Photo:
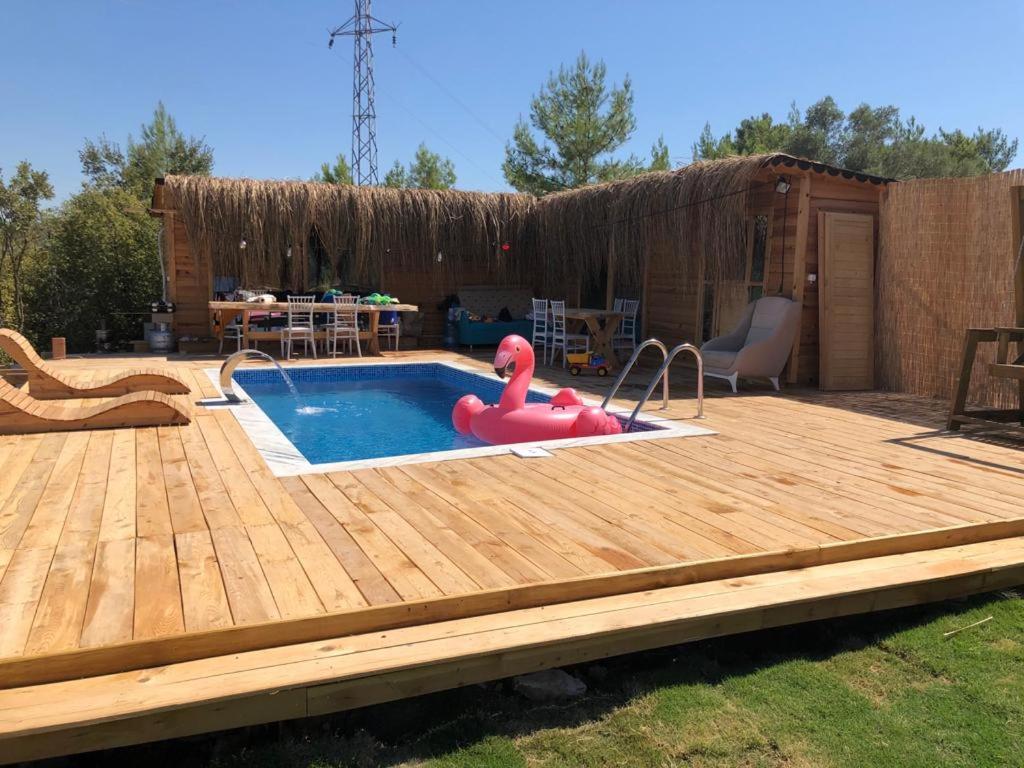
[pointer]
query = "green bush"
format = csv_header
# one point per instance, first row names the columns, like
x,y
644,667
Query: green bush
x,y
100,265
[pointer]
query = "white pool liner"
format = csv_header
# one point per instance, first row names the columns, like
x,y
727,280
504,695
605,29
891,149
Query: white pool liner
x,y
285,460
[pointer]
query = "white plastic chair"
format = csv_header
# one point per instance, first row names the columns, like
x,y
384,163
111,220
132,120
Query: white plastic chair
x,y
625,334
233,331
300,325
564,342
343,325
541,328
390,330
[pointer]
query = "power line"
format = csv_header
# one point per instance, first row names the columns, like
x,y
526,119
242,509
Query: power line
x,y
444,89
440,137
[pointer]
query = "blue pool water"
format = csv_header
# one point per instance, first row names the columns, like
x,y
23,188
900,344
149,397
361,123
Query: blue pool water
x,y
357,412
370,411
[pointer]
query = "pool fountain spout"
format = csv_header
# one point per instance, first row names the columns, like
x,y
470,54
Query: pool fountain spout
x,y
235,359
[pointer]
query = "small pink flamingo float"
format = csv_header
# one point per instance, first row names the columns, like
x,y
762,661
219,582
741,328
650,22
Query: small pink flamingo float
x,y
513,421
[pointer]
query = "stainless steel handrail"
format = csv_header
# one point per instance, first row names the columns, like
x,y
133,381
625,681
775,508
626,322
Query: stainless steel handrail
x,y
233,361
663,371
629,366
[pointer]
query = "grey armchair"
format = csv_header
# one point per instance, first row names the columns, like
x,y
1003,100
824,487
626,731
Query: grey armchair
x,y
759,346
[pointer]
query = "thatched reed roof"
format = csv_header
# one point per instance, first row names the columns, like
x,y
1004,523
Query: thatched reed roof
x,y
695,214
692,212
376,226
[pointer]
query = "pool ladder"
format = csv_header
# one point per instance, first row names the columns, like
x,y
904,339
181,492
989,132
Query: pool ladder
x,y
667,357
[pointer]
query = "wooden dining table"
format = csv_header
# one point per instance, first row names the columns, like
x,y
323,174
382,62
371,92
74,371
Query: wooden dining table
x,y
218,310
602,325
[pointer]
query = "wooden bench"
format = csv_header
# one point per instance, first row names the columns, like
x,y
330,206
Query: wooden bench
x,y
1003,367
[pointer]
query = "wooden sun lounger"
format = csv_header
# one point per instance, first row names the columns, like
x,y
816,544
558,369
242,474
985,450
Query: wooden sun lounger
x,y
45,382
21,413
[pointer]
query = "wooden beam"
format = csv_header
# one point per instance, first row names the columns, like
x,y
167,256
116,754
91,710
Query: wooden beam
x,y
170,267
309,680
609,298
803,213
139,654
1017,230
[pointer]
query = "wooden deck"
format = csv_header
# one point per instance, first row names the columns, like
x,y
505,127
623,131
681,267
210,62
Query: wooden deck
x,y
125,550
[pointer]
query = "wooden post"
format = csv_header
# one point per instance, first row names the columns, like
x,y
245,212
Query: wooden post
x,y
803,212
609,298
170,266
963,384
58,348
1017,230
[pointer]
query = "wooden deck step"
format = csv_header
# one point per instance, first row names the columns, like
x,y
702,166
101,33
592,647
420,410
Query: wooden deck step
x,y
322,677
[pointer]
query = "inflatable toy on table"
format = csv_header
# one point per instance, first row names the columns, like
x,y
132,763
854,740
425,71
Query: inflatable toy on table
x,y
512,420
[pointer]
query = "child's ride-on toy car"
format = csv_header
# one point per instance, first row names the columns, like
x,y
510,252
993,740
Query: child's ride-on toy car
x,y
590,361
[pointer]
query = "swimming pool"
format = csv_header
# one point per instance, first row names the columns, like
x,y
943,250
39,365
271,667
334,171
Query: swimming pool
x,y
351,416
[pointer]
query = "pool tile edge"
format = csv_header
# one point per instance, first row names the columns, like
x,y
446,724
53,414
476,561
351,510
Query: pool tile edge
x,y
285,460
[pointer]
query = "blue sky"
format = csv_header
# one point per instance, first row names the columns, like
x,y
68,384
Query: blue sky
x,y
257,80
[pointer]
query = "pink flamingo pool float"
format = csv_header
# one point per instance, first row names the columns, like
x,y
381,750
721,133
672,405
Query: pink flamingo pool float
x,y
513,421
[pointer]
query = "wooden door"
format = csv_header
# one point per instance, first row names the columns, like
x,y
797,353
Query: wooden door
x,y
846,300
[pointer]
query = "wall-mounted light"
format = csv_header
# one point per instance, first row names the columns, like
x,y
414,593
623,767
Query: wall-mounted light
x,y
242,245
782,185
440,257
288,253
812,277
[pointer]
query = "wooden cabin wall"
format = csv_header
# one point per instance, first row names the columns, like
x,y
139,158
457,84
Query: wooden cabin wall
x,y
190,287
672,305
427,292
190,281
828,194
946,259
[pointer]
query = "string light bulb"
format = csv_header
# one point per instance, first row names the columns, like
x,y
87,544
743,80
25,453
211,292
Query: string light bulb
x,y
242,245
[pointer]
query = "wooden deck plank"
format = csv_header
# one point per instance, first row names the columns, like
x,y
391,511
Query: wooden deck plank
x,y
204,601
17,510
432,562
120,501
47,520
519,569
358,567
884,463
235,479
399,570
158,610
291,588
166,533
15,463
530,512
556,555
60,615
110,611
245,582
635,498
84,714
152,511
211,493
183,502
473,564
20,590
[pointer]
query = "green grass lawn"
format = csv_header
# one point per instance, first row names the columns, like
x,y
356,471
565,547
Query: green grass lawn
x,y
877,690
